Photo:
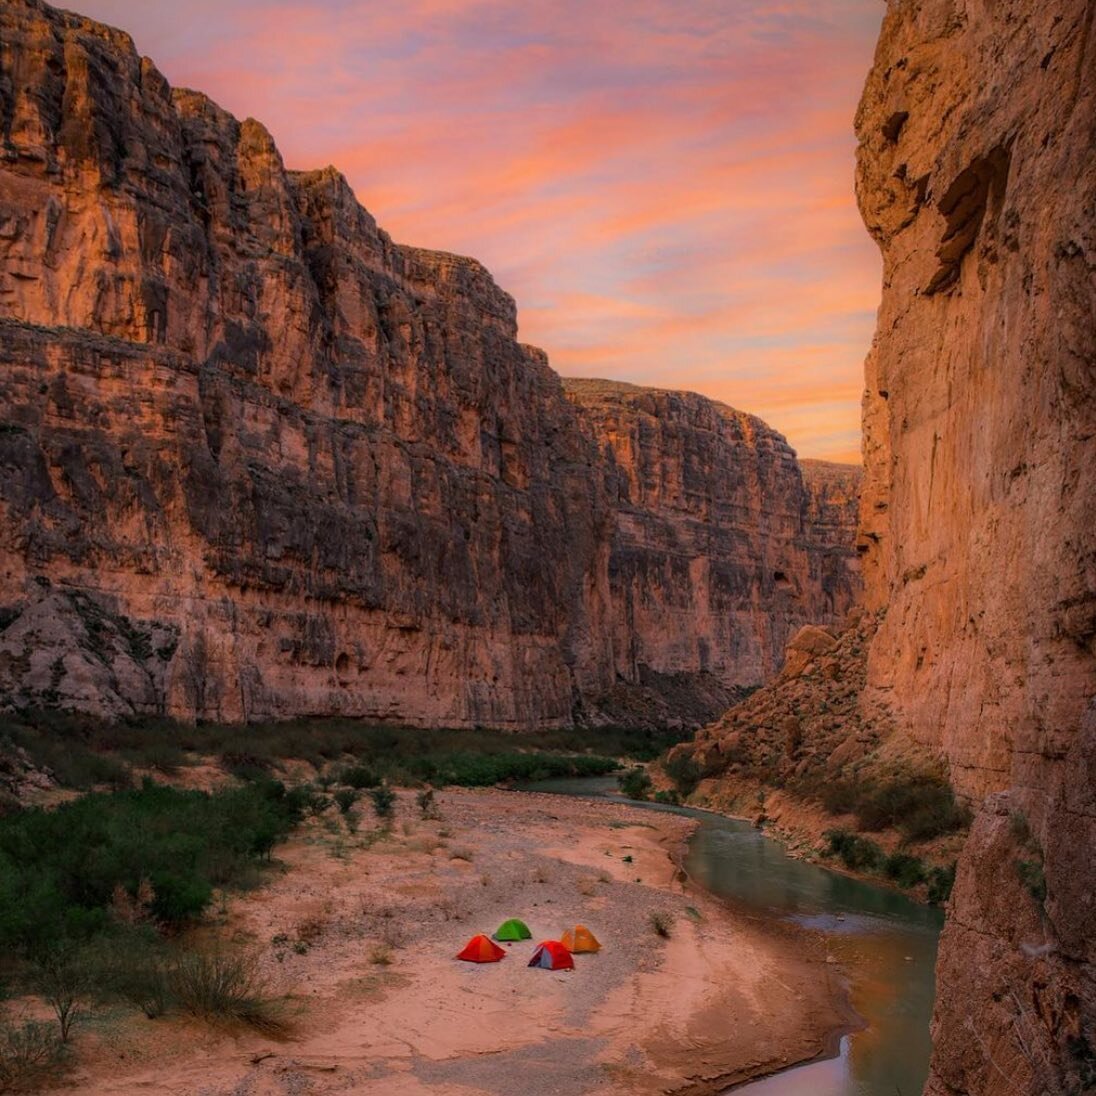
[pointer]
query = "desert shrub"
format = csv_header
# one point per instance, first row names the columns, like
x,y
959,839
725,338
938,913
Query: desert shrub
x,y
904,869
427,804
921,806
226,987
30,1054
60,869
635,783
384,802
661,922
940,881
668,796
381,955
685,772
840,796
345,798
359,776
63,978
855,852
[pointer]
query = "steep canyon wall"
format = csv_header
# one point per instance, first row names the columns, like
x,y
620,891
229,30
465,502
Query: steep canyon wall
x,y
257,460
977,176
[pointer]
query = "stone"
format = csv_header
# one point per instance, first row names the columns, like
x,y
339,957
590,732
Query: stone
x,y
236,413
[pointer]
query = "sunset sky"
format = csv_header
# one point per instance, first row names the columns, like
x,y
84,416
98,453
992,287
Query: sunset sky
x,y
665,187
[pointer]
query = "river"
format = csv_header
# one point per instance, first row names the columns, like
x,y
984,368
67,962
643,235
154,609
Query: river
x,y
883,941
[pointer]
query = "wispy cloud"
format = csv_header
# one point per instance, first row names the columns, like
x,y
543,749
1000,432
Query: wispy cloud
x,y
665,187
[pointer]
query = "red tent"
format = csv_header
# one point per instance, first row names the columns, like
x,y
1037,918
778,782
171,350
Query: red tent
x,y
481,950
552,955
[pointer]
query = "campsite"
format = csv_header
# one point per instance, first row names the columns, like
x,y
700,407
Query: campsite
x,y
362,933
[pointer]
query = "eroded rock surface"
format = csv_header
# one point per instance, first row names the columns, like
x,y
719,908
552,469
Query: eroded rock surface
x,y
977,176
724,545
257,460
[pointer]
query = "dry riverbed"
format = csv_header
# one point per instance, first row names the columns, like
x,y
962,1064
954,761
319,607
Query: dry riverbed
x,y
361,934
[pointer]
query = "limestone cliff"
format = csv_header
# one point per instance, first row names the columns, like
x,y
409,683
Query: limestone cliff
x,y
257,460
723,547
977,176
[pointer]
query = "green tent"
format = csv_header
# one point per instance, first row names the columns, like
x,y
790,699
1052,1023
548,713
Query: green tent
x,y
513,930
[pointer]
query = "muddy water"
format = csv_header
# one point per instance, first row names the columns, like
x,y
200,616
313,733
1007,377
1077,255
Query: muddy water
x,y
883,941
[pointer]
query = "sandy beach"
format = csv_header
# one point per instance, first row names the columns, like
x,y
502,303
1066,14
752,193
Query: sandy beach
x,y
361,933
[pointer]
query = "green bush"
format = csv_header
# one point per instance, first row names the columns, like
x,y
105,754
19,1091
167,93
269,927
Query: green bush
x,y
59,868
1034,878
940,881
685,772
855,852
904,869
669,797
384,802
921,806
345,798
359,776
635,783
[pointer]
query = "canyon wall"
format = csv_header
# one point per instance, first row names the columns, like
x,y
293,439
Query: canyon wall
x,y
723,545
977,177
257,460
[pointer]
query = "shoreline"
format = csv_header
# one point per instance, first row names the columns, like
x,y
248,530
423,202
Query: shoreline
x,y
383,1007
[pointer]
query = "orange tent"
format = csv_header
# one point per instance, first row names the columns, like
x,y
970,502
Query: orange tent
x,y
481,950
552,955
579,940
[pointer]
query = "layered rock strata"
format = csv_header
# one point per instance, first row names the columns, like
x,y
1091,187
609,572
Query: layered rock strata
x,y
257,460
977,176
723,544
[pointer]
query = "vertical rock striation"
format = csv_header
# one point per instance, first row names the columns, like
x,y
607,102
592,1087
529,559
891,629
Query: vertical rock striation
x,y
977,176
722,547
257,460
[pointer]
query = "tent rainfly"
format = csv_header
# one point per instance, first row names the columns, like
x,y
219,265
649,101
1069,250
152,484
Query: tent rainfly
x,y
481,950
579,939
552,955
513,929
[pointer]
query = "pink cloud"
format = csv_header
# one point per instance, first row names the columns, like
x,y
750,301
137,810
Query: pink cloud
x,y
666,189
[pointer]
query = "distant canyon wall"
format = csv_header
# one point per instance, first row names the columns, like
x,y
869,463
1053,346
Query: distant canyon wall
x,y
977,176
724,545
259,461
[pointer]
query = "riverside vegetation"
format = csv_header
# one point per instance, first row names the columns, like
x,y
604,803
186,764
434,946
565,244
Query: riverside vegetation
x,y
99,894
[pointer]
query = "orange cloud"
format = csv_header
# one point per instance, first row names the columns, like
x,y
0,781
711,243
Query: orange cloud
x,y
666,189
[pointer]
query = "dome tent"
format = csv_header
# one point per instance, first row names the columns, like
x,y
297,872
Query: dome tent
x,y
513,929
579,940
481,950
552,955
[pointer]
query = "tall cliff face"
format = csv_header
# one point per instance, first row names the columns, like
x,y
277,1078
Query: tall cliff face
x,y
977,176
257,460
723,547
313,469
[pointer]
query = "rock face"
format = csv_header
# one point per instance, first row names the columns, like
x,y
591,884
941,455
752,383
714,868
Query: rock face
x,y
723,546
977,176
257,460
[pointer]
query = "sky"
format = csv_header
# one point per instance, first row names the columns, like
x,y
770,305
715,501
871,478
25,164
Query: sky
x,y
665,186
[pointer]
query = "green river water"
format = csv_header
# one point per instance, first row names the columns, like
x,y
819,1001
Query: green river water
x,y
885,943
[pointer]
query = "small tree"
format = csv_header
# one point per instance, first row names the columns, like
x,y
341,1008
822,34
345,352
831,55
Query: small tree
x,y
427,804
384,803
64,980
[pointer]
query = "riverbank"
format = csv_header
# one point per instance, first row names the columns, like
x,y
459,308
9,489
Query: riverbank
x,y
361,933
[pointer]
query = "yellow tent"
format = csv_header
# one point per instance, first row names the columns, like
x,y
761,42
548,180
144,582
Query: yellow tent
x,y
579,939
